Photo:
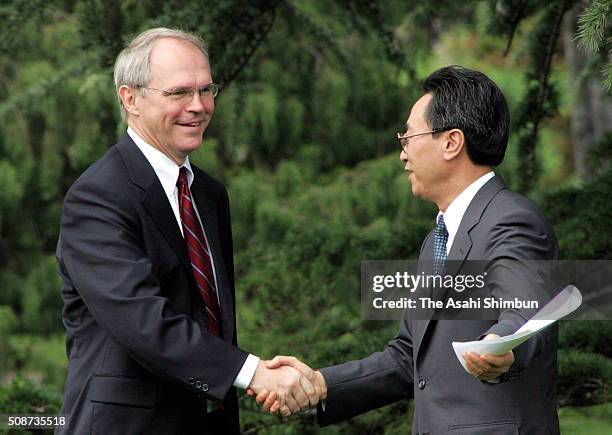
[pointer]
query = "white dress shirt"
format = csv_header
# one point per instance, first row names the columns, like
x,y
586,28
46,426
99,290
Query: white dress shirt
x,y
456,209
168,171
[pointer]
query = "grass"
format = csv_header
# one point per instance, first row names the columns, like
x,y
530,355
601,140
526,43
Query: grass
x,y
592,420
42,359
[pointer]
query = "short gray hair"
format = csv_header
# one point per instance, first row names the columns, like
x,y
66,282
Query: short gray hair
x,y
132,66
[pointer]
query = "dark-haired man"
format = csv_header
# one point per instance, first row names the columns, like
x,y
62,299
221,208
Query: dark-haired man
x,y
456,132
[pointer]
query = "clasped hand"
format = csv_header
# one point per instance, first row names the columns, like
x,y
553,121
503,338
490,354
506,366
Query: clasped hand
x,y
286,385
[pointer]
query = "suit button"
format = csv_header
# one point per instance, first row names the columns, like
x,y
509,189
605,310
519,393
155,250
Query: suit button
x,y
204,387
198,384
190,381
422,384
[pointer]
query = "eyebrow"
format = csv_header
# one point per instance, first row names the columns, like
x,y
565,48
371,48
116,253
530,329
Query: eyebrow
x,y
175,88
182,88
407,126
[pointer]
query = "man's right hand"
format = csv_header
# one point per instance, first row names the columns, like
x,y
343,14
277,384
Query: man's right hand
x,y
270,402
291,390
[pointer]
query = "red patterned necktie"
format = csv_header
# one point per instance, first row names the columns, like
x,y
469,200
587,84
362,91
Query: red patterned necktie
x,y
199,254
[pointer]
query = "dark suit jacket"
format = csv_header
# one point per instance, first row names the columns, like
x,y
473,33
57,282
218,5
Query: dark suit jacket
x,y
419,362
140,359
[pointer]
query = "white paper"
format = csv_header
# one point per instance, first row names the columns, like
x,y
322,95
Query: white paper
x,y
560,306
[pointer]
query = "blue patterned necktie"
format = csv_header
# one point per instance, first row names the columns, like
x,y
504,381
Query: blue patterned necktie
x,y
440,239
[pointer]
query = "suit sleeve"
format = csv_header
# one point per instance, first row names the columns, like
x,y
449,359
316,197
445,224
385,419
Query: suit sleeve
x,y
519,244
359,386
100,249
383,378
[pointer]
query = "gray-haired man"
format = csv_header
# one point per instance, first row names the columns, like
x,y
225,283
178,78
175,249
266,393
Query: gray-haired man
x,y
145,254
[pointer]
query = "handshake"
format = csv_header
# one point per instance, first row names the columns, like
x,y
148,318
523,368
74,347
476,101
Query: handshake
x,y
286,385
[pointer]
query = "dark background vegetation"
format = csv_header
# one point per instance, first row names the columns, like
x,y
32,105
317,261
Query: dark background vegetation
x,y
304,138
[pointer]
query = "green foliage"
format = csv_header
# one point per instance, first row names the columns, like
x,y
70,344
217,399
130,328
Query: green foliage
x,y
12,194
22,396
592,25
599,157
39,358
8,323
591,337
541,98
584,362
107,39
576,214
41,306
584,378
296,269
592,34
303,135
587,420
14,16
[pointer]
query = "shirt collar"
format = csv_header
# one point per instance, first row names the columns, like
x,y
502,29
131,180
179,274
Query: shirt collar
x,y
456,209
165,168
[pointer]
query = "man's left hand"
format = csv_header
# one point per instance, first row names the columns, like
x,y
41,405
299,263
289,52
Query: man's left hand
x,y
488,367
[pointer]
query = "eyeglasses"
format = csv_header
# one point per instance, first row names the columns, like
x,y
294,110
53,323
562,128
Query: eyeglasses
x,y
404,137
186,94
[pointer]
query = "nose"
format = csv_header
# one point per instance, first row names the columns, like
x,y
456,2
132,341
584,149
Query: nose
x,y
200,104
403,156
195,104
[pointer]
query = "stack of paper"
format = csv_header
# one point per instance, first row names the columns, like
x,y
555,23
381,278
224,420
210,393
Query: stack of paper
x,y
560,306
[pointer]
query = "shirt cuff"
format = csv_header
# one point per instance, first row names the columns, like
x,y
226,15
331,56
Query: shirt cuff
x,y
246,372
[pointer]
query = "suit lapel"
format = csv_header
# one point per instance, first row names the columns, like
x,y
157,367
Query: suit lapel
x,y
156,203
462,244
425,265
154,198
208,214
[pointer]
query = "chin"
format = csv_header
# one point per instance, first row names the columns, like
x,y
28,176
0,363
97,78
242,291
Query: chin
x,y
189,145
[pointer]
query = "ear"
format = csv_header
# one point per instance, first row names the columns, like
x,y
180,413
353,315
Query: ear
x,y
454,144
128,97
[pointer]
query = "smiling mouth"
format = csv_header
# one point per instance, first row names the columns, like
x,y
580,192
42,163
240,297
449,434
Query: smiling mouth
x,y
190,124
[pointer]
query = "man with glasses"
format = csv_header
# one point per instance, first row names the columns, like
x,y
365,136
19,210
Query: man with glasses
x,y
145,255
455,134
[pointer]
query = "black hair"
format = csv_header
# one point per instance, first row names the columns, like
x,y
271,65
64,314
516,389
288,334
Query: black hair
x,y
472,102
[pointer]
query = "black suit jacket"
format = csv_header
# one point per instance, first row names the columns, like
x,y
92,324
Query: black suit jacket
x,y
140,359
420,362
